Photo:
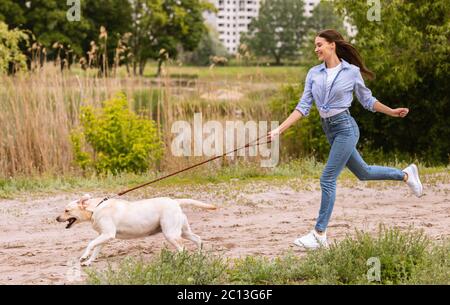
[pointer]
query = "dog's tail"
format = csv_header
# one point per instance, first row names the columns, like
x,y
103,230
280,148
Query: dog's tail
x,y
196,203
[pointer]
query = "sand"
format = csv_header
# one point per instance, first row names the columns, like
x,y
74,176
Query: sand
x,y
35,249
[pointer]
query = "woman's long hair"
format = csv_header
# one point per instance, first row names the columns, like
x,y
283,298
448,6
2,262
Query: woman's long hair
x,y
346,51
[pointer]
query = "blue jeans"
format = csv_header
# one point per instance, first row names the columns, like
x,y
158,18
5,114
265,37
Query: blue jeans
x,y
343,134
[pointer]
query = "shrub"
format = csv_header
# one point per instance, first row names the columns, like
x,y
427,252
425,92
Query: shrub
x,y
435,268
401,255
10,53
263,271
118,139
183,268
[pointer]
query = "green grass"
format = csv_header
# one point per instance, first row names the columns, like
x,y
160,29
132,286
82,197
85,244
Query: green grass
x,y
238,174
290,74
406,257
252,73
167,268
402,255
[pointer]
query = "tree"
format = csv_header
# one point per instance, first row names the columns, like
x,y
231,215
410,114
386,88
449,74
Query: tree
x,y
163,25
11,12
409,50
278,31
158,27
324,16
11,57
208,46
47,19
114,15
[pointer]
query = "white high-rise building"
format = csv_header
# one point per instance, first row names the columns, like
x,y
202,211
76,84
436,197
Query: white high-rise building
x,y
234,16
232,19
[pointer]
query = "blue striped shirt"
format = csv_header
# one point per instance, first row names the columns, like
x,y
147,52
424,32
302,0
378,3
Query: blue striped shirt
x,y
347,81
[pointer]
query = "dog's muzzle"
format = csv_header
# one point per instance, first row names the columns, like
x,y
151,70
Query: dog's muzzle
x,y
71,221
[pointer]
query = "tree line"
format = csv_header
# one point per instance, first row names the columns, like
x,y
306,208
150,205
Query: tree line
x,y
118,32
109,31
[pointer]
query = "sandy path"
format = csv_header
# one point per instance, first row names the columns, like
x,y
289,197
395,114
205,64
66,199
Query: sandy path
x,y
35,249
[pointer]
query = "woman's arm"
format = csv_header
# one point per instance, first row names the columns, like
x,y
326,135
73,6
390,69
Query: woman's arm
x,y
292,118
302,109
398,112
369,102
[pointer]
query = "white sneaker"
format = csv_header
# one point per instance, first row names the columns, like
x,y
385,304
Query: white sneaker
x,y
413,180
312,240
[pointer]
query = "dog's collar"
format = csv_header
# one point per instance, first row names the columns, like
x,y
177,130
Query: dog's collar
x,y
92,213
103,200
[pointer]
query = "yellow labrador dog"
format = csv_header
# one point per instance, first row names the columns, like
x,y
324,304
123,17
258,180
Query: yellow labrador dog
x,y
117,218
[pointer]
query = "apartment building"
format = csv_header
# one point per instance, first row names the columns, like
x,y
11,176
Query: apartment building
x,y
234,16
232,19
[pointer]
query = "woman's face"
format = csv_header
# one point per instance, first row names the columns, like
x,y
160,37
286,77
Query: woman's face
x,y
324,49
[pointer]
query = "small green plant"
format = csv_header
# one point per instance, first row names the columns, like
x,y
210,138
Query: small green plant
x,y
118,139
183,268
263,271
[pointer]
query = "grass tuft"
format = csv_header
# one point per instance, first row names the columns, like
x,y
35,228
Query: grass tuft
x,y
405,257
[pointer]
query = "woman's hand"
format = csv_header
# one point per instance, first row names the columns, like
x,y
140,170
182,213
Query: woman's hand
x,y
274,133
399,112
292,118
396,113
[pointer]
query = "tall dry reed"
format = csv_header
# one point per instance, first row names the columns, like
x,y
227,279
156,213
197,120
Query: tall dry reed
x,y
38,110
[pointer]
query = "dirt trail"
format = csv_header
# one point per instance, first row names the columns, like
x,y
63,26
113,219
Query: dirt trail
x,y
35,249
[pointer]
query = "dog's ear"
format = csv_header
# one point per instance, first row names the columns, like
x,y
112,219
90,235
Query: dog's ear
x,y
82,203
86,197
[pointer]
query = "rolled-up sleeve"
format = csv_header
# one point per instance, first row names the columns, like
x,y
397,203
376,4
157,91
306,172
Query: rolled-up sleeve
x,y
363,93
305,103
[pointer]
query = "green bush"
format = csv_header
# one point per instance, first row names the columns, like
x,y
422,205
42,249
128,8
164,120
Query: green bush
x,y
406,257
183,268
306,138
10,52
401,256
118,139
435,268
